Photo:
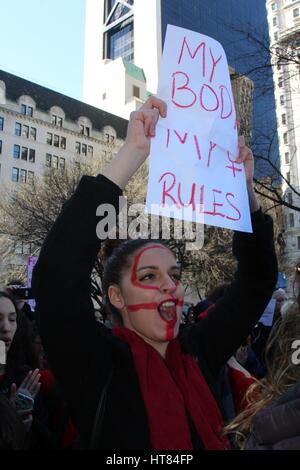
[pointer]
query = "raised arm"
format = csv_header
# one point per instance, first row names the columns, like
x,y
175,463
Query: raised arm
x,y
61,278
227,324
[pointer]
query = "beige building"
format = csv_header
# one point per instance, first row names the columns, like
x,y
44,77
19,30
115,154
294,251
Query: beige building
x,y
284,22
41,129
242,90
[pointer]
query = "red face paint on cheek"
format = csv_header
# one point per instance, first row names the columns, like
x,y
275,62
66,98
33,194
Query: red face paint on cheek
x,y
146,306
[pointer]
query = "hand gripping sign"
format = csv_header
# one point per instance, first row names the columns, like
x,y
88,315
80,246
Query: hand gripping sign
x,y
193,175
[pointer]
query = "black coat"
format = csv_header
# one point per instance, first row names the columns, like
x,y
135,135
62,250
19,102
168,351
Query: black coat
x,y
82,354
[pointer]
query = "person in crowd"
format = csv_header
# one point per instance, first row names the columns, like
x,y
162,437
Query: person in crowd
x,y
15,375
261,332
20,378
247,358
271,419
141,385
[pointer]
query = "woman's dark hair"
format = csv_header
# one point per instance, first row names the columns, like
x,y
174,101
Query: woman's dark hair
x,y
116,259
21,356
7,296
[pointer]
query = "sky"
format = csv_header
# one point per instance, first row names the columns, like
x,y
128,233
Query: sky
x,y
43,41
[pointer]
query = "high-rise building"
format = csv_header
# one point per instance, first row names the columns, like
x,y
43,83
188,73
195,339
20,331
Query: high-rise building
x,y
284,22
124,41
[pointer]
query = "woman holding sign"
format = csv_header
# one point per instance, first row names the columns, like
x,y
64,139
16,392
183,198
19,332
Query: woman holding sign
x,y
143,385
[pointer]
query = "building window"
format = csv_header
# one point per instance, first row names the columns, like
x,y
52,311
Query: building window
x,y
120,42
282,99
275,21
90,151
280,82
18,128
84,130
1,123
62,163
136,91
26,110
23,176
292,222
48,160
0,146
33,133
283,119
77,147
288,176
49,138
290,198
15,175
298,243
63,142
32,155
276,37
274,6
287,158
25,131
109,139
54,161
56,140
103,96
296,12
17,151
57,120
30,177
24,154
285,138
84,149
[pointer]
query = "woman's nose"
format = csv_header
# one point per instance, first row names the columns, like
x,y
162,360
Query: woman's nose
x,y
5,326
168,285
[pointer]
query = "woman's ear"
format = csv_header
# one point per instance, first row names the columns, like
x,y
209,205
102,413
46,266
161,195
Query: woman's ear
x,y
115,296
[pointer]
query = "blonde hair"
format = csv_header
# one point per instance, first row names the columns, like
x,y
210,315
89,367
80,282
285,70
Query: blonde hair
x,y
282,373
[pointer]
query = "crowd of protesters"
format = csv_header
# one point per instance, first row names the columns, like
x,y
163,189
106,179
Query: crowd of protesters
x,y
147,376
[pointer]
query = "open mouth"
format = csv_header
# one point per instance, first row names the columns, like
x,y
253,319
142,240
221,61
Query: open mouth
x,y
167,310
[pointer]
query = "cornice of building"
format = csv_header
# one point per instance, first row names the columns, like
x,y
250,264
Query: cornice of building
x,y
59,130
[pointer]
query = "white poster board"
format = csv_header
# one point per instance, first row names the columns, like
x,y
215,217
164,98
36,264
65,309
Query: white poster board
x,y
192,169
30,265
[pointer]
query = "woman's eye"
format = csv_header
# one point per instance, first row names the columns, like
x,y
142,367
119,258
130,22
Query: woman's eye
x,y
176,277
147,277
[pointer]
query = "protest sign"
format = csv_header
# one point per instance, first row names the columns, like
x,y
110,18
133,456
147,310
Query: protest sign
x,y
30,265
192,168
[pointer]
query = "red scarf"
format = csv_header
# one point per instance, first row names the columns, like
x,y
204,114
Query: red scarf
x,y
171,389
